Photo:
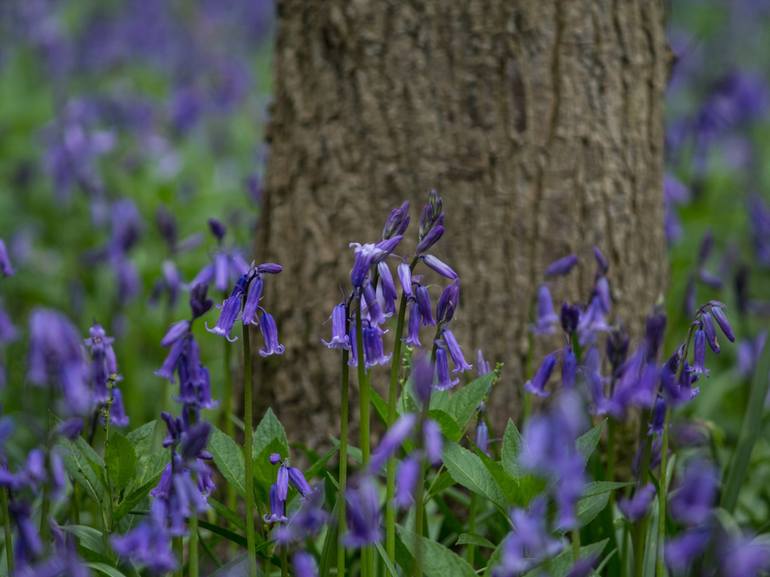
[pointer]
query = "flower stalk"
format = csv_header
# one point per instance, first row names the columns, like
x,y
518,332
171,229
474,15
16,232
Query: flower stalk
x,y
248,441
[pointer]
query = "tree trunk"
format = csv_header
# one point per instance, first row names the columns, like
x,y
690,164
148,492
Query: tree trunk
x,y
539,121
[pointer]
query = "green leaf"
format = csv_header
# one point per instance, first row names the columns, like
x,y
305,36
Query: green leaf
x,y
560,565
468,469
142,438
473,539
120,460
380,405
85,466
449,428
228,458
511,449
231,536
438,561
461,404
105,569
386,560
598,487
587,442
269,437
89,538
589,507
329,550
133,499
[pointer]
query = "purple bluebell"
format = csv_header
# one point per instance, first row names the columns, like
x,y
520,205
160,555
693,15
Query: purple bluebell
x,y
413,325
393,439
56,357
274,458
447,302
433,441
453,347
431,238
658,418
175,332
251,304
653,337
708,328
405,278
682,551
387,284
217,228
8,332
536,385
365,255
426,308
298,481
374,349
482,366
422,378
200,304
307,521
439,266
269,268
229,311
282,482
407,476
693,500
443,381
149,544
71,428
699,353
547,319
340,338
717,310
601,261
397,222
431,215
28,543
118,415
568,368
363,515
6,268
529,542
617,348
373,308
603,294
304,565
744,557
269,332
570,317
636,507
482,436
562,266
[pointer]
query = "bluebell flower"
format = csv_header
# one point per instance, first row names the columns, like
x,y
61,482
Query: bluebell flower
x,y
570,318
405,278
374,349
547,319
407,476
601,261
149,544
482,366
431,238
529,543
439,266
229,311
699,353
433,441
447,302
453,347
422,378
682,550
340,338
413,325
717,310
365,256
637,506
397,222
363,515
387,287
393,439
373,308
251,304
743,557
693,500
269,332
443,381
304,565
6,268
568,368
482,436
536,385
426,308
307,521
708,328
562,266
175,332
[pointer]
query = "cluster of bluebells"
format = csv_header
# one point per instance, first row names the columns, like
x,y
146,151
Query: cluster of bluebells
x,y
376,292
187,480
227,264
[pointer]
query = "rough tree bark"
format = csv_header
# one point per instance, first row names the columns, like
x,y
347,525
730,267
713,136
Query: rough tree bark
x,y
539,121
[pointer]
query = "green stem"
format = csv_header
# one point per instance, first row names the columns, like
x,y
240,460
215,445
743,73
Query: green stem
x,y
178,546
660,569
470,552
390,487
8,532
750,431
227,411
248,441
624,552
363,422
284,563
192,547
575,544
343,477
640,529
418,519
